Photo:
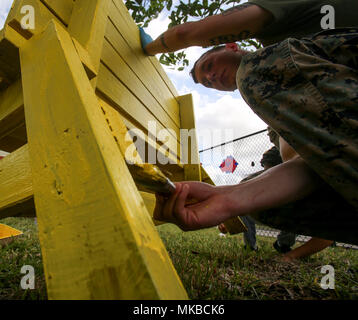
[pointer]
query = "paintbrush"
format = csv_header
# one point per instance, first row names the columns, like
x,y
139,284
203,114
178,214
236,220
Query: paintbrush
x,y
150,178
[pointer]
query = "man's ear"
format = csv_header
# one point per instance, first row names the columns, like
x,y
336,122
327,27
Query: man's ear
x,y
232,46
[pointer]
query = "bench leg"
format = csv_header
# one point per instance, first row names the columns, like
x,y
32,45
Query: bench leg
x,y
97,238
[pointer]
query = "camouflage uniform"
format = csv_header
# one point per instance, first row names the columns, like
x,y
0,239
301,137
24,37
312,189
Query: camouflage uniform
x,y
307,91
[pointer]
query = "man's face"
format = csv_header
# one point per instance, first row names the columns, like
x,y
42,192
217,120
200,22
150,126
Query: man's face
x,y
218,69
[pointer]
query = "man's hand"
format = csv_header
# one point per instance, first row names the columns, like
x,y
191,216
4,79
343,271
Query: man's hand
x,y
145,39
193,206
282,184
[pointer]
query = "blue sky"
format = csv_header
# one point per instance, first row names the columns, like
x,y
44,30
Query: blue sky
x,y
220,116
5,6
224,114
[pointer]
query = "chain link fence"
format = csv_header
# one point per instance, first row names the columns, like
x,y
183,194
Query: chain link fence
x,y
230,162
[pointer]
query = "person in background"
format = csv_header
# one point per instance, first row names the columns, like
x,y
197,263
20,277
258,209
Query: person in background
x,y
269,21
269,159
285,240
305,87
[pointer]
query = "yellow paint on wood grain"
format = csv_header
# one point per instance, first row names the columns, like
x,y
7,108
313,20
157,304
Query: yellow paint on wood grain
x,y
190,151
16,194
94,16
97,238
42,17
61,8
127,44
126,24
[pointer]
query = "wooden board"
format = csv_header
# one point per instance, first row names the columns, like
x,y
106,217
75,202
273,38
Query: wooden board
x,y
93,15
42,17
190,152
12,119
61,8
129,27
121,39
123,72
9,63
129,106
97,238
16,193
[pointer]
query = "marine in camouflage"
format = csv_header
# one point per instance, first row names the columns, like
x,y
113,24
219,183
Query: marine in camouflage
x,y
307,91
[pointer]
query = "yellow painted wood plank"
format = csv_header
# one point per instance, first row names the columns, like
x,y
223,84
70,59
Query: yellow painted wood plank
x,y
119,67
190,151
12,36
42,17
61,8
11,100
90,69
94,16
97,238
16,193
121,39
120,134
9,62
16,186
11,143
132,29
12,120
172,168
129,106
150,201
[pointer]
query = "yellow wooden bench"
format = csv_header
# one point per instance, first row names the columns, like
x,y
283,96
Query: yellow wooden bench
x,y
81,81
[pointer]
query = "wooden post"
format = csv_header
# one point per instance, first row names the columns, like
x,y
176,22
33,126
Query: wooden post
x,y
187,120
94,16
97,238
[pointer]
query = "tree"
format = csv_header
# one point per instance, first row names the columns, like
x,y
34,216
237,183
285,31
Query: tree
x,y
144,11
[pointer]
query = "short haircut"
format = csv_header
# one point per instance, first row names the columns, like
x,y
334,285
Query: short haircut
x,y
271,157
192,72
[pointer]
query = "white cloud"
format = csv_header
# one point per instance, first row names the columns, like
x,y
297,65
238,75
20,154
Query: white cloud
x,y
5,6
214,110
226,117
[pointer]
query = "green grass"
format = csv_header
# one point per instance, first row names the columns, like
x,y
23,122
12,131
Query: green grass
x,y
211,267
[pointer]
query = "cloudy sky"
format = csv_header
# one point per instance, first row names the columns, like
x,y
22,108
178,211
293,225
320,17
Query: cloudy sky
x,y
220,116
4,9
225,114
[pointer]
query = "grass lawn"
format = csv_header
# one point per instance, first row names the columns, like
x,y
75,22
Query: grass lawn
x,y
211,267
